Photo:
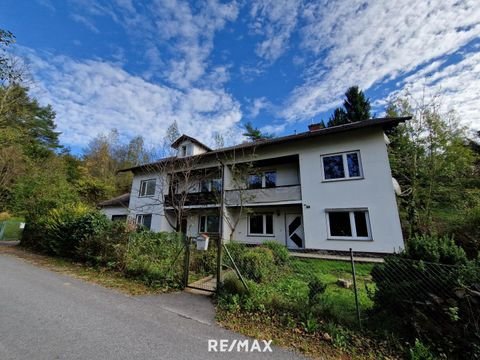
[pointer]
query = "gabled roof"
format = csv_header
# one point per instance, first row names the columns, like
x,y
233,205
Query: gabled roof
x,y
122,200
184,137
385,123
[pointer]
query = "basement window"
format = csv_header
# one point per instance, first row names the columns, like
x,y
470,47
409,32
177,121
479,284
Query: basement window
x,y
342,166
348,225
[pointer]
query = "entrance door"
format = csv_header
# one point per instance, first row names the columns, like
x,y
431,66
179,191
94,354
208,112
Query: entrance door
x,y
295,235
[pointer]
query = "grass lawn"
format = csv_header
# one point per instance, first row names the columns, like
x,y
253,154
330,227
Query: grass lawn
x,y
337,302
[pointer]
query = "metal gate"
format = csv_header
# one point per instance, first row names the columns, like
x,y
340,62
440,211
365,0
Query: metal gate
x,y
202,266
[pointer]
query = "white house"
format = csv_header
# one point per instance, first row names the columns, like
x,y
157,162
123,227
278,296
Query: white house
x,y
327,188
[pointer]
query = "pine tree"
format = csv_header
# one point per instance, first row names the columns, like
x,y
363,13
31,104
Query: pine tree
x,y
356,107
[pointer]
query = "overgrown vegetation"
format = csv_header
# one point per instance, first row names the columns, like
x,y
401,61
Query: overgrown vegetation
x,y
427,297
81,234
301,294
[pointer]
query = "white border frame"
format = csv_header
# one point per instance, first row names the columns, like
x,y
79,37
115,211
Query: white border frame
x,y
345,166
140,188
264,226
352,225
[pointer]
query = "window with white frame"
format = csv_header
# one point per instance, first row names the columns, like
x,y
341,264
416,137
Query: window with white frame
x,y
342,166
186,150
348,224
211,185
144,220
265,179
147,187
209,224
260,224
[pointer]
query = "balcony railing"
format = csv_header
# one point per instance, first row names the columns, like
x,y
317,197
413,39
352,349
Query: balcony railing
x,y
277,194
192,199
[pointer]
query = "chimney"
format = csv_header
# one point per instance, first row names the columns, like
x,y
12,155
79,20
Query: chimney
x,y
317,126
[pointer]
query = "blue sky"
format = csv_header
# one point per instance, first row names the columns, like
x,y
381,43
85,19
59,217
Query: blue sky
x,y
213,65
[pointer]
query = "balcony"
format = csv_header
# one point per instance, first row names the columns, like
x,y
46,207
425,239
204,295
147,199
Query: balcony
x,y
192,199
275,195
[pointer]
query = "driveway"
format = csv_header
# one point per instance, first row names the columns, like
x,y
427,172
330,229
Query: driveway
x,y
46,315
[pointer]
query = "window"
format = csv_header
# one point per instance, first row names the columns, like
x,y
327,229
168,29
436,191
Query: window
x,y
144,220
147,187
209,224
211,185
185,150
260,224
348,224
342,166
267,179
119,217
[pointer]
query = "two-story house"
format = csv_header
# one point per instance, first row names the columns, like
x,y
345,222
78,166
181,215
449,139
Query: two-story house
x,y
327,188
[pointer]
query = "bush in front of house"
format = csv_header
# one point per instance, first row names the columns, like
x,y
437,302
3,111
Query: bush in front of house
x,y
107,247
63,229
435,249
431,292
155,258
280,252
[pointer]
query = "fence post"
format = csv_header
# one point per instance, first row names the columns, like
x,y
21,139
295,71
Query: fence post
x,y
186,261
355,289
219,263
3,225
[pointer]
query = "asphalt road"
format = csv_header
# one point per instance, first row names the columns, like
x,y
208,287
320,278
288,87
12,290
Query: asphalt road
x,y
46,315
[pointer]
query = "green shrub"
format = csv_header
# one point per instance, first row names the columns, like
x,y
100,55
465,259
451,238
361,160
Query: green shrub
x,y
430,301
316,287
434,249
155,258
467,232
233,285
107,247
257,264
420,352
64,228
280,252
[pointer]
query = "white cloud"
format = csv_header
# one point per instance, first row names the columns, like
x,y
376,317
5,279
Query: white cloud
x,y
185,31
84,21
92,97
458,85
47,4
360,43
275,20
257,105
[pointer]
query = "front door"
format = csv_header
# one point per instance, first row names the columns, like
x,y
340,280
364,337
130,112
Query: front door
x,y
295,235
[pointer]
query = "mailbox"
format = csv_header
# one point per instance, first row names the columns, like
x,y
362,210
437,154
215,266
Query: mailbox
x,y
202,242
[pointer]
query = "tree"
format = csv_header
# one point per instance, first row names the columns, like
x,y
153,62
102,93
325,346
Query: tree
x,y
356,107
431,160
102,159
9,70
25,122
254,134
338,117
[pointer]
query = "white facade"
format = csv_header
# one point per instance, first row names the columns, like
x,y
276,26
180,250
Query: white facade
x,y
112,211
296,200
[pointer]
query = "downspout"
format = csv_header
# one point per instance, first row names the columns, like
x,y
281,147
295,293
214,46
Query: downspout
x,y
220,238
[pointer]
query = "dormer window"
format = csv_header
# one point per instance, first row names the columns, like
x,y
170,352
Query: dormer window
x,y
188,146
